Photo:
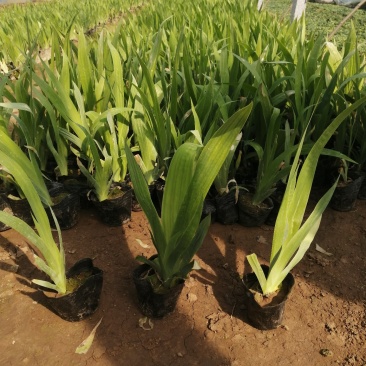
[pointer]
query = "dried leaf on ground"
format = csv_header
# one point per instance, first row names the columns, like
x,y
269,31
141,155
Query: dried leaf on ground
x,y
321,250
144,321
142,244
86,343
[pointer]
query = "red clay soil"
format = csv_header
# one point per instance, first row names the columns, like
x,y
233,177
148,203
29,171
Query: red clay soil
x,y
324,324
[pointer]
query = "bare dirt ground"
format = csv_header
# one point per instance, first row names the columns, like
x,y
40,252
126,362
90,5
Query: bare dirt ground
x,y
324,315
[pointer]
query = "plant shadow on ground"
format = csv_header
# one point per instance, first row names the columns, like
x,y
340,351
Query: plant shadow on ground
x,y
326,308
209,325
341,234
32,334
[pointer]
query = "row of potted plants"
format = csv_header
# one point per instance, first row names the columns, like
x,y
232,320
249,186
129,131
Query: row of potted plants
x,y
154,106
179,231
237,68
61,119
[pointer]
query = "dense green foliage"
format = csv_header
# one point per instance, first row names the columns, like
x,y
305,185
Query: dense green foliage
x,y
179,233
171,75
23,25
167,70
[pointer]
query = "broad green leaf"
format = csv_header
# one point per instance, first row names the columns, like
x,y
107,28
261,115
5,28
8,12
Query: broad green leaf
x,y
192,171
182,169
20,106
291,237
257,269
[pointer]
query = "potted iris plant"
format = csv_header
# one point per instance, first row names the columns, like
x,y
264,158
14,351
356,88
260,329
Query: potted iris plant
x,y
72,294
268,287
179,232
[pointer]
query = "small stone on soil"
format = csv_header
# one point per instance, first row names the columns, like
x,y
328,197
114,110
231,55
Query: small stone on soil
x,y
191,297
261,239
330,327
326,352
209,334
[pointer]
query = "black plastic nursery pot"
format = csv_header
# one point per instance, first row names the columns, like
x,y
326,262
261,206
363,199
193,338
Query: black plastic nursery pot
x,y
66,209
79,186
114,211
54,188
52,171
269,316
154,305
209,208
84,300
345,196
156,190
136,207
157,194
226,208
253,215
277,201
323,172
21,208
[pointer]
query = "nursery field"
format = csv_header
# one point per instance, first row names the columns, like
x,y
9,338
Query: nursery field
x,y
326,310
203,163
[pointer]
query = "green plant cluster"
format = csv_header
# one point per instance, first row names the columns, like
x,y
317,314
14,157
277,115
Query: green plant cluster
x,y
20,23
169,76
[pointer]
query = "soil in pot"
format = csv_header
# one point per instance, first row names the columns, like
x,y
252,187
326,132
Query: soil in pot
x,y
84,288
253,215
154,305
265,313
345,194
115,210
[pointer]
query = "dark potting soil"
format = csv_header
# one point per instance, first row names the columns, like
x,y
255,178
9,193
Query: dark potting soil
x,y
274,298
73,284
